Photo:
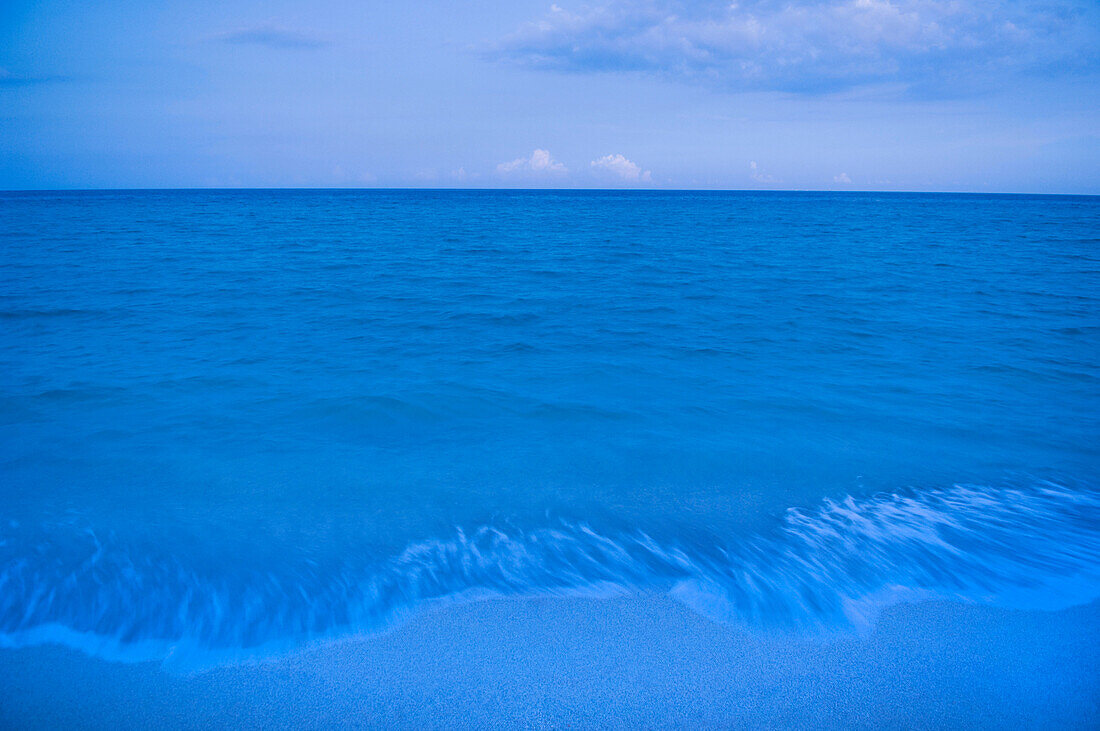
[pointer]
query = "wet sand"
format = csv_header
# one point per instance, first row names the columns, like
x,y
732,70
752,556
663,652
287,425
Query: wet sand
x,y
633,662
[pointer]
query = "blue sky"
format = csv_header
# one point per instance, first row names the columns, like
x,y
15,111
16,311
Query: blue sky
x,y
968,95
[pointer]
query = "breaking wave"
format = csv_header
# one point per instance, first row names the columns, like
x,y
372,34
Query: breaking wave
x,y
829,567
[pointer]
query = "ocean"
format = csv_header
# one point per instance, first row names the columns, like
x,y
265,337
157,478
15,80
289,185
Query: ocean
x,y
235,423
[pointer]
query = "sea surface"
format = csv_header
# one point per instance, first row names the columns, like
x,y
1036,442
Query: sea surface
x,y
235,422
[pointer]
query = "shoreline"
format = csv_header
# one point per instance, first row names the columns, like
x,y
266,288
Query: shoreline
x,y
637,661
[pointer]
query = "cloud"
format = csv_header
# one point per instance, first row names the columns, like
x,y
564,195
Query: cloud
x,y
540,163
7,78
273,36
620,167
759,175
815,46
842,178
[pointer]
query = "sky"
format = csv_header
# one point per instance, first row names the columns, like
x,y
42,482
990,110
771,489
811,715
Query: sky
x,y
937,95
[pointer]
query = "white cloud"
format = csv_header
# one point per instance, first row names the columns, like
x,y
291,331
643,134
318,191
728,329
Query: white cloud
x,y
759,175
842,178
540,163
814,46
620,167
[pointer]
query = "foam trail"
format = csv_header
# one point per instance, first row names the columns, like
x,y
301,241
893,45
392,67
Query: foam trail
x,y
830,567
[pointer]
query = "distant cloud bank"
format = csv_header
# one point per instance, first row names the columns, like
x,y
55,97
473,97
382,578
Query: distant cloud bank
x,y
273,36
540,168
807,46
7,78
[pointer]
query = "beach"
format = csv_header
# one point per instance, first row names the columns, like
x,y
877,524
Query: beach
x,y
641,662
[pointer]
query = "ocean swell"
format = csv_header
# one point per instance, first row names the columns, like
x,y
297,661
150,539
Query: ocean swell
x,y
829,567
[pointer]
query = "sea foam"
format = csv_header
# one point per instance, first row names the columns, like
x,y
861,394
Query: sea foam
x,y
827,568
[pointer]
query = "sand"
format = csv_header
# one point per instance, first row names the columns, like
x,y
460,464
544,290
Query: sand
x,y
643,662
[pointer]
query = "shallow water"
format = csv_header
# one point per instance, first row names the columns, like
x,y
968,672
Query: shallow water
x,y
232,421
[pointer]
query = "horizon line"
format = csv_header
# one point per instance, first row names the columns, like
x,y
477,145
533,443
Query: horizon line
x,y
531,190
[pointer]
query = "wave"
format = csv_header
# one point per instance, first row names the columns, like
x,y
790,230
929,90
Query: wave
x,y
830,567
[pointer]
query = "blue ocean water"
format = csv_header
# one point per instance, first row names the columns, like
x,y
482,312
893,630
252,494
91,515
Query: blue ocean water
x,y
235,421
